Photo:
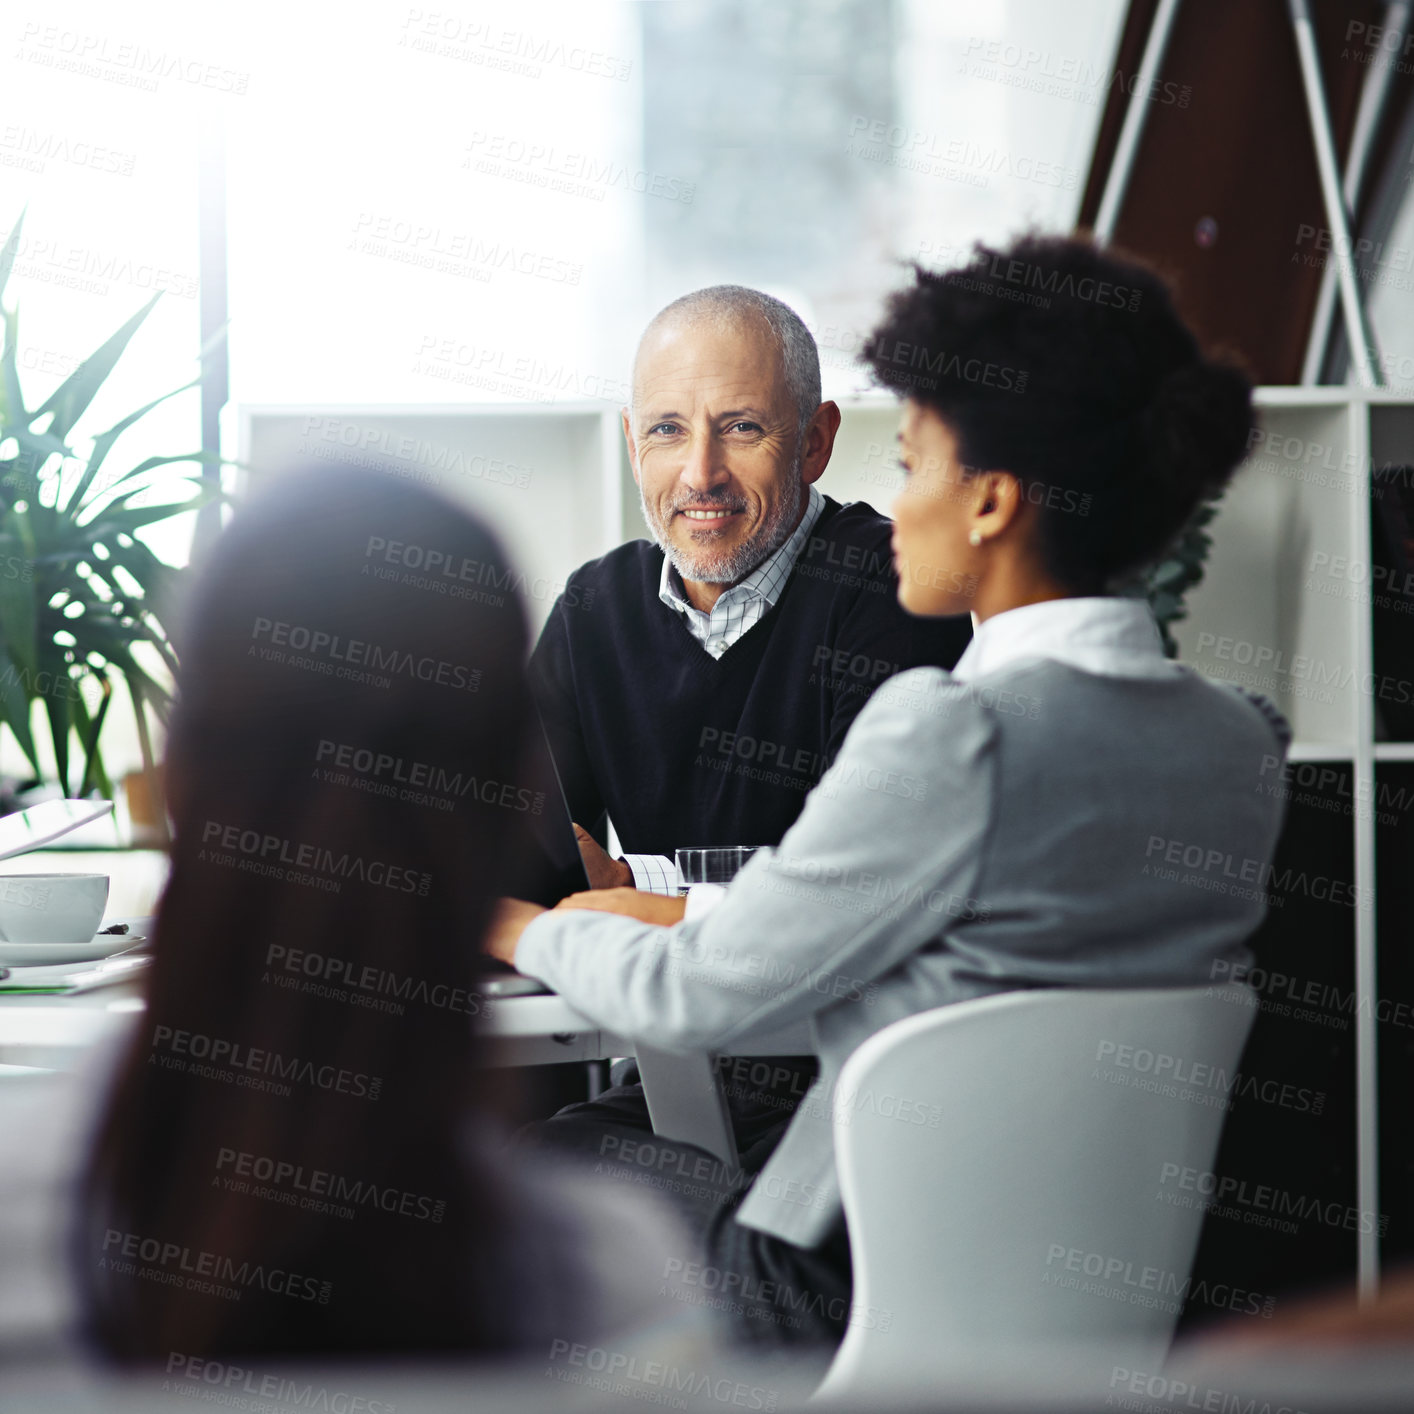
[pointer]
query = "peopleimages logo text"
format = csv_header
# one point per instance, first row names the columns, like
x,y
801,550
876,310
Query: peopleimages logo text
x,y
354,652
440,565
373,765
254,1061
202,1377
276,850
1208,867
318,1185
181,1266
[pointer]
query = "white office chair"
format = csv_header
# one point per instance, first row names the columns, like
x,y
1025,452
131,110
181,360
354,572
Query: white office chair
x,y
1025,1219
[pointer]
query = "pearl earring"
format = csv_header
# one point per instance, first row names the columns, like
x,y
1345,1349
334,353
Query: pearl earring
x,y
974,537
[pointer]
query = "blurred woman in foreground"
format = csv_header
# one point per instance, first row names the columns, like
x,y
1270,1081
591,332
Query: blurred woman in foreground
x,y
289,1159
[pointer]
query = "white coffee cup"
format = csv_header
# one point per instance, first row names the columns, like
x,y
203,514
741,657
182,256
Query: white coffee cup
x,y
51,908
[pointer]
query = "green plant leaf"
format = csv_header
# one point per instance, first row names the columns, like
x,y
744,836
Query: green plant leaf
x,y
35,450
210,488
12,245
18,542
78,530
72,397
99,630
125,521
15,481
18,614
61,724
103,444
14,706
12,403
1171,572
164,651
89,731
145,630
159,585
101,779
150,689
58,705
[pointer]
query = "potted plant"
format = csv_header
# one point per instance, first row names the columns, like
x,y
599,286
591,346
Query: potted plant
x,y
1181,567
82,599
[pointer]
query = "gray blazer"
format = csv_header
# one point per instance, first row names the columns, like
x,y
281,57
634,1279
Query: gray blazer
x,y
1039,825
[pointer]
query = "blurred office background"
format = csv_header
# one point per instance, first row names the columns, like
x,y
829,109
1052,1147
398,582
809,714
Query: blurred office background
x,y
438,231
482,204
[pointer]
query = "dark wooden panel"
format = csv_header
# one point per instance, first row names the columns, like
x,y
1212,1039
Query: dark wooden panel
x,y
1223,187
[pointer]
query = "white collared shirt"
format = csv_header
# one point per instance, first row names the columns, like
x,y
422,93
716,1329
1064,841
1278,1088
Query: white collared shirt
x,y
1111,636
742,606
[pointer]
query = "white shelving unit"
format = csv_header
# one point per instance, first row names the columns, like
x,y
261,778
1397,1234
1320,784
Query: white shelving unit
x,y
547,478
1274,610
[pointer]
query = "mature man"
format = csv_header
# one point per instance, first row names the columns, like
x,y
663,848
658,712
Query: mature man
x,y
697,688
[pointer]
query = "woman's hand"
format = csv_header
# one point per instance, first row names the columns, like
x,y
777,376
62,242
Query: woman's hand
x,y
508,922
630,903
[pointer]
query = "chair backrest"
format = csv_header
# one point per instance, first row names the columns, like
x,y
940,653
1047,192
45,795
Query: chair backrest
x,y
1007,1171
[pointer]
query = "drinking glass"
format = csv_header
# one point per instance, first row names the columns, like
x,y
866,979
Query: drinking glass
x,y
714,864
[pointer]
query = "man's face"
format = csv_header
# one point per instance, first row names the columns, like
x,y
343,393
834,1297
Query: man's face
x,y
715,447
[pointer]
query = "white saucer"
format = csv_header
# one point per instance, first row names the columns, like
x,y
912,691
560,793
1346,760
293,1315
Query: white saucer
x,y
49,954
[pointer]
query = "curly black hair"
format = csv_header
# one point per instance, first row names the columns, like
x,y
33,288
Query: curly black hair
x,y
1069,367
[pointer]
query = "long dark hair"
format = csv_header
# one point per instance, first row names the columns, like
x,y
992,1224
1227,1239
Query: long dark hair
x,y
283,1163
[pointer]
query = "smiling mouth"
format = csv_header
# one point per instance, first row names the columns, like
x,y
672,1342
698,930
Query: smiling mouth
x,y
709,519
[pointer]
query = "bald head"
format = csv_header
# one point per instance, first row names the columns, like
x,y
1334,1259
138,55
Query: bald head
x,y
724,308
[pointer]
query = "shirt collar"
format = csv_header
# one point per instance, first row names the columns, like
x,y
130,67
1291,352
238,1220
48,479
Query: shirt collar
x,y
764,582
1113,636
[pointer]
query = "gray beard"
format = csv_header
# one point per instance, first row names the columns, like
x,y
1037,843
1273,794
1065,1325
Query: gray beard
x,y
702,566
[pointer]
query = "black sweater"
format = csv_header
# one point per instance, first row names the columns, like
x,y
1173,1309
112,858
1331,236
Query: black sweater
x,y
683,749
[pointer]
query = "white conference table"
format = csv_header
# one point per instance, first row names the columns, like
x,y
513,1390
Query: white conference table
x,y
684,1093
